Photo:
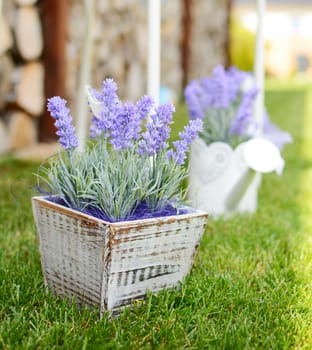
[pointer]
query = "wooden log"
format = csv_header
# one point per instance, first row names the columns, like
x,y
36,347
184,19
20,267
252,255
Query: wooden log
x,y
6,39
29,90
6,69
21,130
38,152
28,34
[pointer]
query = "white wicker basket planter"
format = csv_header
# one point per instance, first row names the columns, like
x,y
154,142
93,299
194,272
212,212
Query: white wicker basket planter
x,y
107,265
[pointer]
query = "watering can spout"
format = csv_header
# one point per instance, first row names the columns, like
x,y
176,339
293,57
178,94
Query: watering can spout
x,y
259,156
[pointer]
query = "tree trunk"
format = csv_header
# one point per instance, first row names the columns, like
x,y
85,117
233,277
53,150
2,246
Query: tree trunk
x,y
54,14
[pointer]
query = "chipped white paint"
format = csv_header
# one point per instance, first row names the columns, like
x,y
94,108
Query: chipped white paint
x,y
107,265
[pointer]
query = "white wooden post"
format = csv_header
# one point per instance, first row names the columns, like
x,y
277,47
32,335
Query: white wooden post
x,y
259,71
85,74
153,63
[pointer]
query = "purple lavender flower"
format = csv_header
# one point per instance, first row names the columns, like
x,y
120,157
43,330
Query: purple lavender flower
x,y
244,116
192,95
217,91
94,130
121,122
222,103
207,97
144,106
63,122
111,108
221,88
158,131
126,127
236,79
186,139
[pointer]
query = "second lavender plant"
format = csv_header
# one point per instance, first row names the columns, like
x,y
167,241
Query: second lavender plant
x,y
224,106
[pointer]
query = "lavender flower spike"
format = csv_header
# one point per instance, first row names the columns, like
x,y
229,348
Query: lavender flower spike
x,y
192,94
244,116
105,107
186,139
157,131
63,122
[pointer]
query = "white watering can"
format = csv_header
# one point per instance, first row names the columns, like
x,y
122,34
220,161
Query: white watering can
x,y
224,181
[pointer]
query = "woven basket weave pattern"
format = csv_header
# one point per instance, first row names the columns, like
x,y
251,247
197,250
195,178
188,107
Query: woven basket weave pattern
x,y
107,265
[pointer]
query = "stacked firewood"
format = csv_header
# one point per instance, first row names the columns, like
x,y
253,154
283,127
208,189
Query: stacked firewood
x,y
120,45
209,37
21,74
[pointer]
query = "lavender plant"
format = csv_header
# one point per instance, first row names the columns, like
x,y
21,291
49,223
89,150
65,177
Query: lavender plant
x,y
224,106
129,170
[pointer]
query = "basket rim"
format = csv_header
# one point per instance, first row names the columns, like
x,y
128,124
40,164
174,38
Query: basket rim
x,y
193,213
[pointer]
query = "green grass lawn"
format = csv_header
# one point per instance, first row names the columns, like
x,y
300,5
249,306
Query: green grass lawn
x,y
250,287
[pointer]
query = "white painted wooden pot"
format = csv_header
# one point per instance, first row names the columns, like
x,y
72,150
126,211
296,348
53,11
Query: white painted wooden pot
x,y
107,265
220,182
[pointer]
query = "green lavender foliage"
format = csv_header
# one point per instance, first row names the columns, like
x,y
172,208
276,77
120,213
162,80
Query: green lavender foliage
x,y
216,126
114,183
164,178
119,180
68,175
